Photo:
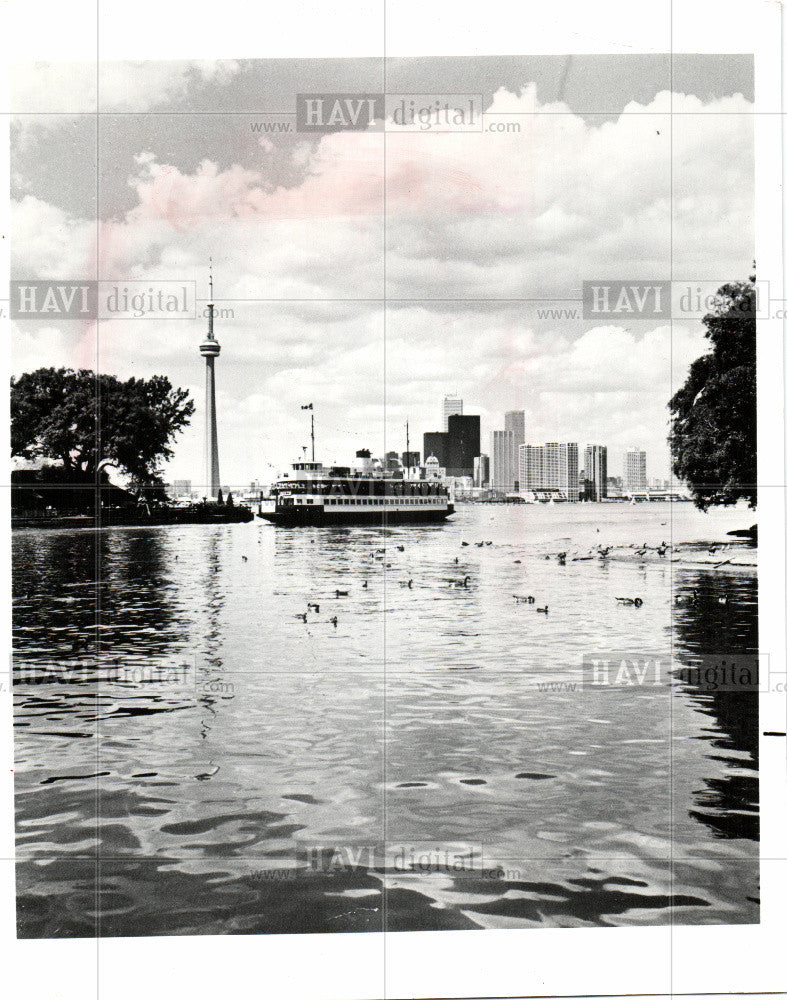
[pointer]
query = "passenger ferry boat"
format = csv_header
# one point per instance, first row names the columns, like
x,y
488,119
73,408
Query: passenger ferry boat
x,y
315,494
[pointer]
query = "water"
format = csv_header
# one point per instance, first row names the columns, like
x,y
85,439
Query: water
x,y
191,757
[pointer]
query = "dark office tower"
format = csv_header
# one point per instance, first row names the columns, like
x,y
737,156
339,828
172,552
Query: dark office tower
x,y
464,443
436,443
410,459
596,470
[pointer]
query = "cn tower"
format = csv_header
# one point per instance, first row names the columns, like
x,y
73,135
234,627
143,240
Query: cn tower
x,y
210,349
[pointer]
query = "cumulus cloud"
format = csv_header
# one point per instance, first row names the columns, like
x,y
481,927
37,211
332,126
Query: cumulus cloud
x,y
476,227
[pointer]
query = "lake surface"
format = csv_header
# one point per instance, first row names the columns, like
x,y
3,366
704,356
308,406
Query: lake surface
x,y
191,757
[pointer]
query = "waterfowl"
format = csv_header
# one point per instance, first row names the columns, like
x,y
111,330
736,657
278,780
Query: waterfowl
x,y
313,607
244,558
488,543
722,600
302,616
544,610
517,562
561,558
636,601
342,593
406,583
334,621
687,598
465,543
400,548
365,585
479,544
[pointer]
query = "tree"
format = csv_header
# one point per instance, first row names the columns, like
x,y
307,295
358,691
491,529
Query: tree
x,y
81,418
714,414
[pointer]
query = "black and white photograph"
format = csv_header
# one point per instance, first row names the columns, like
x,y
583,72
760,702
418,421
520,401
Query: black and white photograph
x,y
396,500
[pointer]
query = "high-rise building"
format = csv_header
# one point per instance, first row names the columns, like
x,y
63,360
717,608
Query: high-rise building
x,y
515,422
531,467
451,405
481,471
504,452
636,470
561,468
596,470
552,466
464,443
502,474
411,459
436,443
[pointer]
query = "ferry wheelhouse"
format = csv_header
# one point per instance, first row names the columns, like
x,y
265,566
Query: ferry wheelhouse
x,y
314,494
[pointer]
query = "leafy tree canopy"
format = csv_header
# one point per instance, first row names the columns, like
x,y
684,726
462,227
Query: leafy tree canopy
x,y
714,414
81,418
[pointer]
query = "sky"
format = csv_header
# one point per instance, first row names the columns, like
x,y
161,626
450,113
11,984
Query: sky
x,y
373,273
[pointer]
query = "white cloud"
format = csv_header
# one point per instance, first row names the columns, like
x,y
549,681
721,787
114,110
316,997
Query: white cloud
x,y
510,216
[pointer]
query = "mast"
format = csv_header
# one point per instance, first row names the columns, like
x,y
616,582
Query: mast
x,y
310,406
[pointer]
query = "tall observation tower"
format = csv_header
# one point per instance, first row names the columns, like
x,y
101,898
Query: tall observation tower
x,y
210,349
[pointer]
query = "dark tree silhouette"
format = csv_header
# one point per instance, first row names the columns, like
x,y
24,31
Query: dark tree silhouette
x,y
714,414
80,418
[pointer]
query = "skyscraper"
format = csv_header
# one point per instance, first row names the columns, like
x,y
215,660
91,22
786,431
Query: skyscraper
x,y
502,474
464,443
451,405
596,470
209,349
561,468
531,467
436,443
515,422
636,470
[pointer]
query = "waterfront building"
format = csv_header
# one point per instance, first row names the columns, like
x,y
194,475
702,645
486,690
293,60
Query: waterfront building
x,y
531,467
502,474
504,452
481,471
432,470
595,471
561,467
464,444
436,444
636,470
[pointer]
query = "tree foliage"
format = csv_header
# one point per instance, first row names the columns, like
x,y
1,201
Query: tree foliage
x,y
80,418
714,414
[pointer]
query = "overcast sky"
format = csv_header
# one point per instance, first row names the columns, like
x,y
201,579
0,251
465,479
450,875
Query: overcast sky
x,y
460,232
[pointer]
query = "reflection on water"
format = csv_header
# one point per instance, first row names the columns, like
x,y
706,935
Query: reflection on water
x,y
194,757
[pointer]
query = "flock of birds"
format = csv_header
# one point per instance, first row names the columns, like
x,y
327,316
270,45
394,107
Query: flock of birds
x,y
463,583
